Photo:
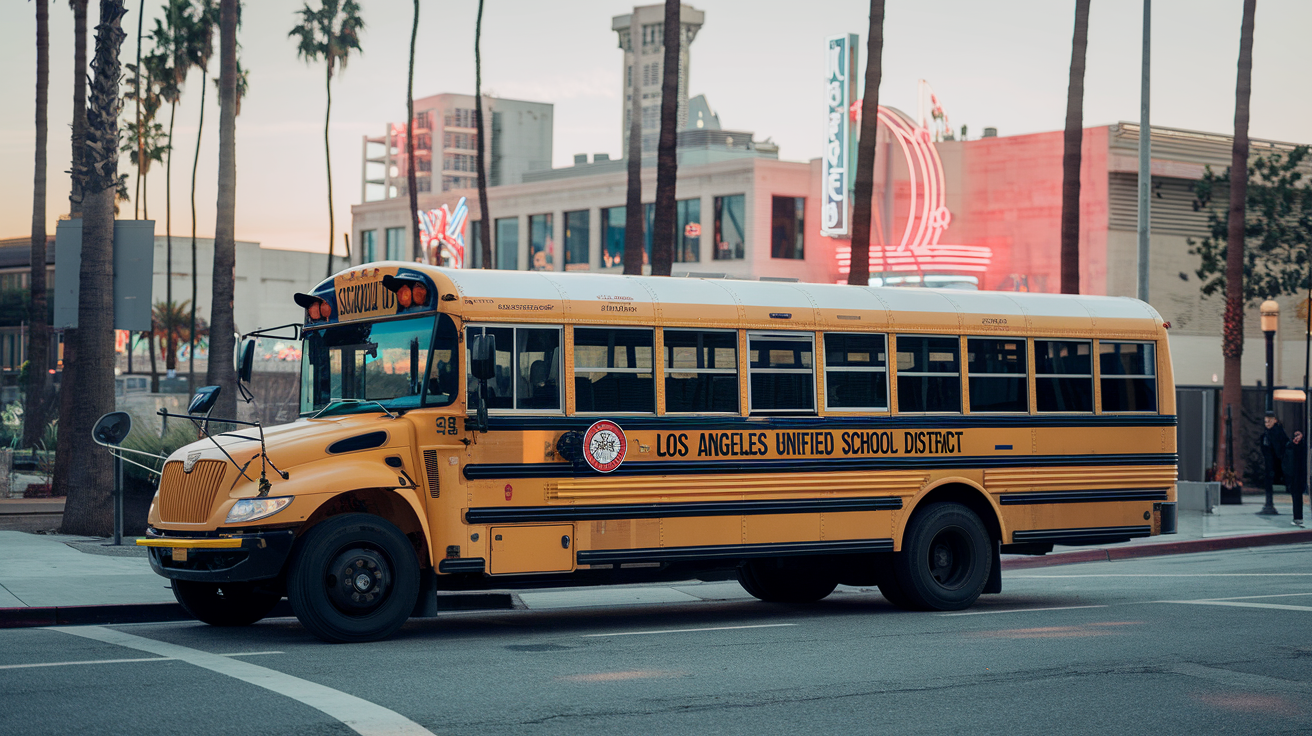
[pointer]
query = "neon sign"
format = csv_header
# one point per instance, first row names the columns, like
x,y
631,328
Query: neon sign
x,y
442,235
840,68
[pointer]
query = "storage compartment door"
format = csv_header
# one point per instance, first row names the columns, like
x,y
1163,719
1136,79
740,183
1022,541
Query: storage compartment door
x,y
526,549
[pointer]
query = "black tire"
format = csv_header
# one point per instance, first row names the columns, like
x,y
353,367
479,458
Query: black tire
x,y
225,604
353,578
945,559
889,587
774,583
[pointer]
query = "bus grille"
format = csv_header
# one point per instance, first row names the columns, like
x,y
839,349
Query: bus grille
x,y
188,498
430,465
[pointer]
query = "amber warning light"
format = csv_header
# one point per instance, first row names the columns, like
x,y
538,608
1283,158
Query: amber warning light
x,y
316,309
409,292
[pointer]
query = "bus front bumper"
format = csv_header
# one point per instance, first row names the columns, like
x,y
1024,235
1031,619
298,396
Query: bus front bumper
x,y
229,559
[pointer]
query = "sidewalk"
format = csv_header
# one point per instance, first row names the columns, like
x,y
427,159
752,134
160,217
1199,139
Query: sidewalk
x,y
50,579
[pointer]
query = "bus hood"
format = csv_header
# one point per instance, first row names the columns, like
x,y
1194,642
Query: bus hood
x,y
302,441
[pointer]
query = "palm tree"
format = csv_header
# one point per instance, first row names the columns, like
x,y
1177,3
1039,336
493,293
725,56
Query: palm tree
x,y
170,326
37,341
667,162
1232,331
220,371
1070,160
79,100
203,43
485,228
633,214
148,135
138,135
329,33
415,250
864,192
88,478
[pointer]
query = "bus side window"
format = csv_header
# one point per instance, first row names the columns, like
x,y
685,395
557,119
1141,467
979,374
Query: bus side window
x,y
1128,374
613,370
856,372
500,389
928,374
781,369
1063,375
701,371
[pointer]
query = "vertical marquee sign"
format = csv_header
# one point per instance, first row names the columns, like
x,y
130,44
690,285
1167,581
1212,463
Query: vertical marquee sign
x,y
840,93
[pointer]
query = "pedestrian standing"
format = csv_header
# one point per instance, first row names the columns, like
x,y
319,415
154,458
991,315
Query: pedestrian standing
x,y
1274,441
1295,467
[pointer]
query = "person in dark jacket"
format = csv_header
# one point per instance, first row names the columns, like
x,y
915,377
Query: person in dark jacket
x,y
1274,441
1295,467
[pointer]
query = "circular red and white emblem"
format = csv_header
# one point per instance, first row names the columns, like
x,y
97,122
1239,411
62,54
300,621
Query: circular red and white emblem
x,y
604,446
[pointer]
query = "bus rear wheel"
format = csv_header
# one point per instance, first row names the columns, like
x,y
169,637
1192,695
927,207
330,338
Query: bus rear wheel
x,y
774,581
225,604
353,578
945,559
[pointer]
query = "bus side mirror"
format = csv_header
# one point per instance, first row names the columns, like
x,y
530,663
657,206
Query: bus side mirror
x,y
482,356
204,399
246,360
112,428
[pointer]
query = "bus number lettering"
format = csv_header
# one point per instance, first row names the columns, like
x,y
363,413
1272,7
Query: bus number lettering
x,y
446,425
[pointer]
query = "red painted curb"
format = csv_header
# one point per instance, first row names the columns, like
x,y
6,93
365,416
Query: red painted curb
x,y
1107,554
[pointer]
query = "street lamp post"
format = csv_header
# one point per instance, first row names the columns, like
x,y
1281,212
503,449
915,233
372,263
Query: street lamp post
x,y
1270,310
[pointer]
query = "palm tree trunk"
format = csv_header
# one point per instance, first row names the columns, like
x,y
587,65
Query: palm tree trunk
x,y
154,367
633,214
328,157
37,342
667,162
191,336
170,358
416,250
89,480
79,102
864,190
485,228
220,371
1232,334
141,134
1071,157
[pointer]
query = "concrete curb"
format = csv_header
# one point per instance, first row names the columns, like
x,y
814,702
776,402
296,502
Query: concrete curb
x,y
149,613
1109,554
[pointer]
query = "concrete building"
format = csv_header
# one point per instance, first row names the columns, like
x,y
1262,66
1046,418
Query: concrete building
x,y
446,146
642,38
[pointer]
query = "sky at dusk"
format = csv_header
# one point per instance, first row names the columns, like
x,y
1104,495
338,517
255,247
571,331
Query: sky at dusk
x,y
760,63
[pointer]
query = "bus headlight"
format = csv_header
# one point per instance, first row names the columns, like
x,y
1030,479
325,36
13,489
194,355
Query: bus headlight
x,y
250,509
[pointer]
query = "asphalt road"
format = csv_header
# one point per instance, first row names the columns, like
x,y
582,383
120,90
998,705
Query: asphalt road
x,y
1202,643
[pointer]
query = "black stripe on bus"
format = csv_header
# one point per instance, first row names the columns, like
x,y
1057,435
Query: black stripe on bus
x,y
492,471
524,514
732,551
462,564
1019,499
730,423
1083,536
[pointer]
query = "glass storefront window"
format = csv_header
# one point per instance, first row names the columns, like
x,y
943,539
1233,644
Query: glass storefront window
x,y
576,240
730,234
787,228
541,245
507,245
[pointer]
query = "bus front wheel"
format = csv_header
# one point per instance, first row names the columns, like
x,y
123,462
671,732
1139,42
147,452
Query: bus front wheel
x,y
945,559
225,604
353,578
775,582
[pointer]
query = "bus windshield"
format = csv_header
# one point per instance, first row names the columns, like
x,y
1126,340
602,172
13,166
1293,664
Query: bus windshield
x,y
347,367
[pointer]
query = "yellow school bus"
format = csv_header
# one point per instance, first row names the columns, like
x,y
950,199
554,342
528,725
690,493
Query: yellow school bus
x,y
476,429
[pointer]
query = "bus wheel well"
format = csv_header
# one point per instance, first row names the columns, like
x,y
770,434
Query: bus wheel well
x,y
969,497
378,502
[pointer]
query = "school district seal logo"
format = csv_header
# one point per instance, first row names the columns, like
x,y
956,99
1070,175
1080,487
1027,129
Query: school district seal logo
x,y
604,446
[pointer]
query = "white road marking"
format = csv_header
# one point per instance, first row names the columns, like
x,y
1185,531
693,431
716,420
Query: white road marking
x,y
361,716
1242,604
1238,679
1018,610
1178,575
1248,597
686,631
117,661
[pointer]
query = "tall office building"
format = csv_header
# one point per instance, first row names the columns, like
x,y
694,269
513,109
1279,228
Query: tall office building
x,y
446,146
642,37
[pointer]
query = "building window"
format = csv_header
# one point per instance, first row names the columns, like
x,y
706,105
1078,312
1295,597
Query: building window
x,y
395,244
688,235
423,184
368,246
781,369
730,235
613,371
786,228
701,371
423,164
423,120
507,233
576,239
526,371
651,119
856,372
541,245
1063,375
613,229
928,374
423,141
1128,376
998,377
460,118
474,246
